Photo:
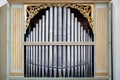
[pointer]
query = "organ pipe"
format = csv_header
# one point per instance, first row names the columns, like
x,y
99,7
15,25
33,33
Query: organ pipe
x,y
51,37
55,40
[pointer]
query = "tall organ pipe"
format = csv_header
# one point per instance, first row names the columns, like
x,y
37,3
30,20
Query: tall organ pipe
x,y
76,55
82,59
59,39
36,51
40,61
72,40
51,33
29,57
43,39
46,55
68,39
64,39
55,40
79,50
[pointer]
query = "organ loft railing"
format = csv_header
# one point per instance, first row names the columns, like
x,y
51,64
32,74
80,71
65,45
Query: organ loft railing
x,y
59,42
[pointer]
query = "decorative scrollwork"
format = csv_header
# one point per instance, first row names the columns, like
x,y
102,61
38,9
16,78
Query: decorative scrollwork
x,y
85,9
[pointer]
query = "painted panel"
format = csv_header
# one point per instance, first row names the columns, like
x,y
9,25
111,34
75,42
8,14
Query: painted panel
x,y
101,67
16,34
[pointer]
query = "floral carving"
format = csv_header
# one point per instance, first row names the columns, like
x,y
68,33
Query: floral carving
x,y
85,9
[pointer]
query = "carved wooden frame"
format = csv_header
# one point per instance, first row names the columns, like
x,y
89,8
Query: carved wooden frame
x,y
85,9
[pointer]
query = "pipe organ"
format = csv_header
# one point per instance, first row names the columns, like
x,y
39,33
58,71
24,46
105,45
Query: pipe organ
x,y
58,24
57,39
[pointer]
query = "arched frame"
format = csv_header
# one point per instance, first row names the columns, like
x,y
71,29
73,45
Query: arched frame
x,y
85,9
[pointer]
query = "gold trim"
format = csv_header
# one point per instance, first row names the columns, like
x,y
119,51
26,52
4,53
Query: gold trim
x,y
85,9
16,74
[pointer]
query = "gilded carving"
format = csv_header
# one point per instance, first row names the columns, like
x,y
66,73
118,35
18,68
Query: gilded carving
x,y
85,9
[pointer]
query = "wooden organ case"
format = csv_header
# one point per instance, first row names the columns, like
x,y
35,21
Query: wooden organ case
x,y
59,39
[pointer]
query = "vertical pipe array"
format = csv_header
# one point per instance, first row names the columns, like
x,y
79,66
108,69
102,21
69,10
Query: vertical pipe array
x,y
59,24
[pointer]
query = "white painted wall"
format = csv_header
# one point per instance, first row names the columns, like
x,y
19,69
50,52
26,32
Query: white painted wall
x,y
2,2
116,37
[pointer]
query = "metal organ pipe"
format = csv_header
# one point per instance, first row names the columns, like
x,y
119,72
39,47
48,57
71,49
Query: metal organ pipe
x,y
79,50
68,39
76,47
46,51
43,48
31,51
40,55
55,40
72,40
60,40
36,50
51,36
64,39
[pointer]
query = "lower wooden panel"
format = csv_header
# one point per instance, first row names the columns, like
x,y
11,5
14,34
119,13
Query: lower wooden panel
x,y
101,74
16,74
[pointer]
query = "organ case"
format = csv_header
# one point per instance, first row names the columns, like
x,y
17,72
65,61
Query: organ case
x,y
49,35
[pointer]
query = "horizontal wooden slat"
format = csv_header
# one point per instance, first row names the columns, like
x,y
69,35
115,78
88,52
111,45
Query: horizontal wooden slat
x,y
101,74
59,43
16,74
58,1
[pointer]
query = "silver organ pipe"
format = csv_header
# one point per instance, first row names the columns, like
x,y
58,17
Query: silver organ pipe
x,y
33,53
76,47
68,40
46,55
60,40
59,24
55,40
82,59
51,39
79,50
72,40
64,40
40,55
43,48
36,50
